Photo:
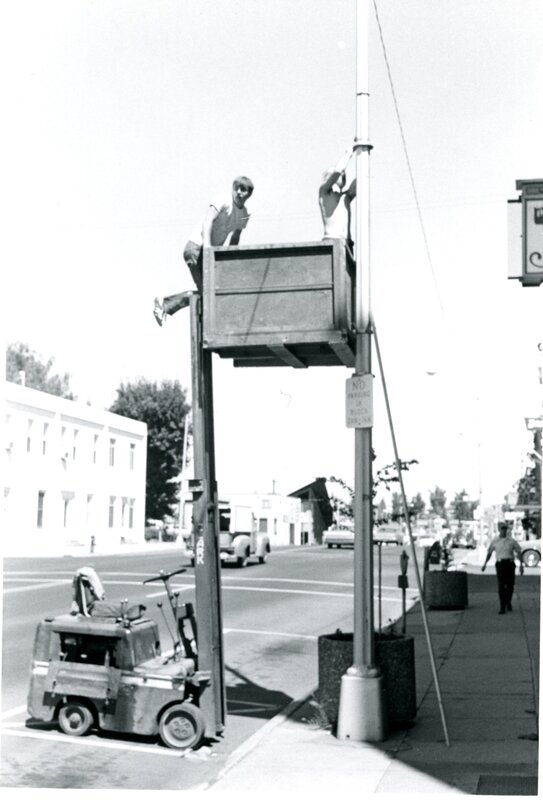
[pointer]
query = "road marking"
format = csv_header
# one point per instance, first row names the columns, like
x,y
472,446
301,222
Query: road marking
x,y
270,633
174,588
35,586
59,737
12,712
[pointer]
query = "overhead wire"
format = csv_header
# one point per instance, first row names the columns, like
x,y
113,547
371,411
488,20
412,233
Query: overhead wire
x,y
406,152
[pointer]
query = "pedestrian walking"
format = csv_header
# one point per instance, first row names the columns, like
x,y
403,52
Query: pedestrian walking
x,y
226,216
505,549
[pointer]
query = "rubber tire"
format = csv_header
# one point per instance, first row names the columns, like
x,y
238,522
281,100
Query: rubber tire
x,y
241,561
531,558
181,726
75,718
263,559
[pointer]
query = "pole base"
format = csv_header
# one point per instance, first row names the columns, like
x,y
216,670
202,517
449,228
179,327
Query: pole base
x,y
361,716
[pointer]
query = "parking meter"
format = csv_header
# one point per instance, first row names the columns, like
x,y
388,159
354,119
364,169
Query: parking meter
x,y
403,583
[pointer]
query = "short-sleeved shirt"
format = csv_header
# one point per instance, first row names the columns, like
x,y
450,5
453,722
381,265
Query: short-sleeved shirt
x,y
230,218
505,548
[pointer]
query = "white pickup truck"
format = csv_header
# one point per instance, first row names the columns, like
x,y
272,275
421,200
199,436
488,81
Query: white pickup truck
x,y
238,538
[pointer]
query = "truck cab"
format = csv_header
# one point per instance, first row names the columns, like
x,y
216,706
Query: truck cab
x,y
239,539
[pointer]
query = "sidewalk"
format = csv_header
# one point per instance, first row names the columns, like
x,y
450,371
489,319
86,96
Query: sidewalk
x,y
488,670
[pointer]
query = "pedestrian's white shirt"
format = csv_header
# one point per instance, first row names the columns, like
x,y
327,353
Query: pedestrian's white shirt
x,y
504,548
230,218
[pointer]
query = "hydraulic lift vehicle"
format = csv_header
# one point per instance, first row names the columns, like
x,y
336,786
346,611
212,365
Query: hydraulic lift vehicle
x,y
101,666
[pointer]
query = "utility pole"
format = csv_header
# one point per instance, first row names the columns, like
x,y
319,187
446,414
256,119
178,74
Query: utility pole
x,y
361,708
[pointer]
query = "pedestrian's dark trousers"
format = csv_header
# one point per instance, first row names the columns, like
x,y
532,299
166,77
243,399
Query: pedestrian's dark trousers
x,y
505,572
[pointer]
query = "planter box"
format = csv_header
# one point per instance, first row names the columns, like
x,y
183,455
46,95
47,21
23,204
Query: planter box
x,y
394,656
444,589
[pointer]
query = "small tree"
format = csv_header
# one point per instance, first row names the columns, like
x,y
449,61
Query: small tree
x,y
438,502
384,477
20,358
462,507
164,408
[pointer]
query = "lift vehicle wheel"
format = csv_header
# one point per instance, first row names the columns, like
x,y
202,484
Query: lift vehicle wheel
x,y
181,726
75,718
241,561
262,559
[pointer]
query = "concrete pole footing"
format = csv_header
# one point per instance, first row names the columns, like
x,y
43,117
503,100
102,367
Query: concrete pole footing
x,y
361,716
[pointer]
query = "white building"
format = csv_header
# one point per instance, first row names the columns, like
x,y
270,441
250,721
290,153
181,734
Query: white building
x,y
70,472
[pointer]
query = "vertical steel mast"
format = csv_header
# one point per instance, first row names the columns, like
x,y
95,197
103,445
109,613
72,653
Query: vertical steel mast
x,y
361,712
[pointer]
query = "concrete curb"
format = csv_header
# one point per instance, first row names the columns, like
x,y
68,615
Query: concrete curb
x,y
253,741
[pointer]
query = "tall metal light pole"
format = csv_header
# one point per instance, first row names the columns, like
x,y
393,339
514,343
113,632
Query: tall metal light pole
x,y
361,714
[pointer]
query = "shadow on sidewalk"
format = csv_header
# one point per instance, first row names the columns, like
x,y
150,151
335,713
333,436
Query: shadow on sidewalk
x,y
488,672
248,699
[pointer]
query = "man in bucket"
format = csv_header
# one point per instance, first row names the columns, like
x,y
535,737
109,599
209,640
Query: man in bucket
x,y
226,216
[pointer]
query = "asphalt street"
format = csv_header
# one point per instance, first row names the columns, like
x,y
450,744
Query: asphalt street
x,y
272,617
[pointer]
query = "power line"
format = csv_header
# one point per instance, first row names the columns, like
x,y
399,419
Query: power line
x,y
410,170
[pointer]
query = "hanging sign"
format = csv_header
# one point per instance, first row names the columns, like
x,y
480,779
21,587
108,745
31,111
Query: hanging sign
x,y
534,236
359,401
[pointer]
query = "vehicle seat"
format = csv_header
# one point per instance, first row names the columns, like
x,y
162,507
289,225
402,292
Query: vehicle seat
x,y
87,589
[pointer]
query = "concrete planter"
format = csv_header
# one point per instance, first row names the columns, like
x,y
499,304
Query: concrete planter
x,y
447,590
394,655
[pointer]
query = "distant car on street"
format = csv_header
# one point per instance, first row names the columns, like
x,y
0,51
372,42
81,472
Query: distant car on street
x,y
389,533
531,552
464,539
340,536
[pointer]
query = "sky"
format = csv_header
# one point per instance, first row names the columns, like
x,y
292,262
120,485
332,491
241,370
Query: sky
x,y
127,116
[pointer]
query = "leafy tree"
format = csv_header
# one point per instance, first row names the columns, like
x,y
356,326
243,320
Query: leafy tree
x,y
19,358
397,506
462,507
438,502
417,505
383,477
164,408
381,511
529,491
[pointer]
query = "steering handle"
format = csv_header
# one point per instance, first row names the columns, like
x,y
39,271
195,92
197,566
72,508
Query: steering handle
x,y
165,575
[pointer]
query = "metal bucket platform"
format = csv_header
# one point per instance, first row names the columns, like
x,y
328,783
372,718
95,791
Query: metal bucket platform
x,y
280,304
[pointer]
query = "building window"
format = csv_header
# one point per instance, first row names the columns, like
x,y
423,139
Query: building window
x,y
266,504
111,511
41,498
131,503
95,450
275,527
44,438
263,525
74,444
29,435
89,507
63,448
132,456
112,452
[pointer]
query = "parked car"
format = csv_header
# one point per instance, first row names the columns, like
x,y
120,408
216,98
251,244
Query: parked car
x,y
389,533
340,536
531,552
